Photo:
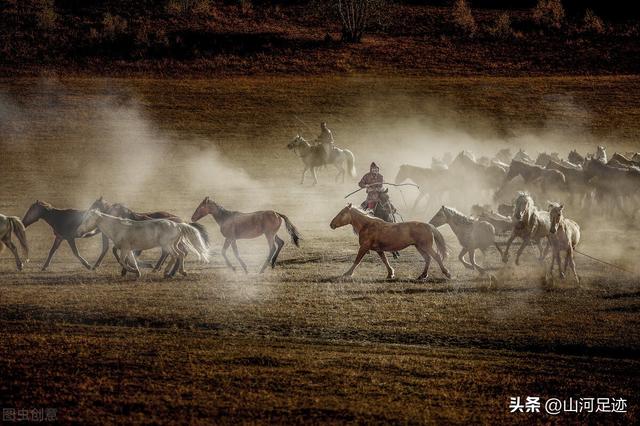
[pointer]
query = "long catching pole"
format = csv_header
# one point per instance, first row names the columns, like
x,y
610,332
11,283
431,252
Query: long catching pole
x,y
603,262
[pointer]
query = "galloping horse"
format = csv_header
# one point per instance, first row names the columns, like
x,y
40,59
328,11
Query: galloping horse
x,y
380,236
237,225
130,236
563,235
530,224
575,158
12,225
64,224
120,210
471,234
314,156
431,182
549,178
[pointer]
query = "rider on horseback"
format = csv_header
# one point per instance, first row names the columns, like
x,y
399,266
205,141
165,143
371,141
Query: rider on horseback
x,y
326,140
376,195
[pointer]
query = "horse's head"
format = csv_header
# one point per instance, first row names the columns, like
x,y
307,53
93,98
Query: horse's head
x,y
35,212
119,210
89,222
403,174
523,205
439,218
555,214
342,218
100,204
204,208
296,142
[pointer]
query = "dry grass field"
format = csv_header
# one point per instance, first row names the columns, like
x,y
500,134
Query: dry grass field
x,y
298,343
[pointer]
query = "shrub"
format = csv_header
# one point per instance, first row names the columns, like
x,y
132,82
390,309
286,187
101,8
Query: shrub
x,y
45,14
592,23
113,26
549,13
189,7
501,27
462,18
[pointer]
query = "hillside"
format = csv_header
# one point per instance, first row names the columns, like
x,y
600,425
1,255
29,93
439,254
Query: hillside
x,y
201,37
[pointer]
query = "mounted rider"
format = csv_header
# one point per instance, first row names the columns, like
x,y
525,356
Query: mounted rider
x,y
372,181
326,141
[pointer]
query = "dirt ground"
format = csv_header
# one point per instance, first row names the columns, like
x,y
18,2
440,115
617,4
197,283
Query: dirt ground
x,y
299,343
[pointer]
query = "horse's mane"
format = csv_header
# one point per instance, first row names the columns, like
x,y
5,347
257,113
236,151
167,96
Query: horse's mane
x,y
365,213
224,213
44,204
458,216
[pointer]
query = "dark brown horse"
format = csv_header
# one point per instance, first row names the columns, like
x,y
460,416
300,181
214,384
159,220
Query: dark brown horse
x,y
120,210
237,225
63,222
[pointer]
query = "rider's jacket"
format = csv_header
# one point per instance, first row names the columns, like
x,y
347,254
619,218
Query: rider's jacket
x,y
373,179
325,136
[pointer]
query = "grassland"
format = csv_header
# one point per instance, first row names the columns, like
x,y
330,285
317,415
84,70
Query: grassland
x,y
299,343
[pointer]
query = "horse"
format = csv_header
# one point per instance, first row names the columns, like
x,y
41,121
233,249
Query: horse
x,y
12,225
575,158
120,210
502,224
612,182
471,234
549,178
575,179
64,223
619,160
430,181
521,155
504,156
544,158
237,225
530,224
130,236
380,236
474,174
564,234
315,156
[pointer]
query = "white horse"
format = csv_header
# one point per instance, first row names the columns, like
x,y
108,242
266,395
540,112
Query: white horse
x,y
564,235
132,235
472,234
530,224
13,225
314,156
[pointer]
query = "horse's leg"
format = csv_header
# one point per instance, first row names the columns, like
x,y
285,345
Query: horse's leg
x,y
525,243
74,249
438,259
361,252
559,263
505,254
495,243
7,241
461,258
54,248
472,258
390,272
124,261
279,245
272,251
161,261
427,263
303,173
553,261
134,262
315,176
572,263
225,246
234,246
543,254
105,249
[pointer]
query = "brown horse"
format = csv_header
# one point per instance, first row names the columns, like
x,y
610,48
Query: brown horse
x,y
120,210
380,236
63,222
237,225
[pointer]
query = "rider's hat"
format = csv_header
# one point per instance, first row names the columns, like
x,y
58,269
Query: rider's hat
x,y
373,166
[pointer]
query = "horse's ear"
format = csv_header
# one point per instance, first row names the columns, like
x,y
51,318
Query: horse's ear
x,y
101,198
206,198
561,207
349,205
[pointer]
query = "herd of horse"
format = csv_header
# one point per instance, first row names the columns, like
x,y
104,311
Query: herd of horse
x,y
130,233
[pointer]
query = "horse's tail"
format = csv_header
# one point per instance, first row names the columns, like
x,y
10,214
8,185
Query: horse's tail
x,y
441,245
19,230
292,230
351,160
193,241
203,232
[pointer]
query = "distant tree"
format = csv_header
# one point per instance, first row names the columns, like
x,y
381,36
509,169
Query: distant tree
x,y
355,16
462,18
549,13
592,23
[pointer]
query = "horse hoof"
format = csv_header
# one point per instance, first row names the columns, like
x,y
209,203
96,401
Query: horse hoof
x,y
20,267
447,274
